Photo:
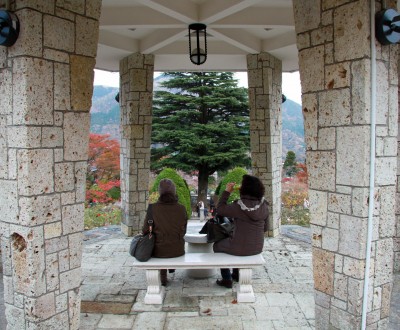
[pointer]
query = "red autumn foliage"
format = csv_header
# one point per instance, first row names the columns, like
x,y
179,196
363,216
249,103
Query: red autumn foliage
x,y
98,193
103,159
103,169
302,174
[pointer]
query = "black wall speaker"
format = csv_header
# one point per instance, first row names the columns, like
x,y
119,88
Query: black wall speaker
x,y
9,28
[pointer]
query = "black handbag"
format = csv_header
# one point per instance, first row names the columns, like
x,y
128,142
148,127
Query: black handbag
x,y
217,228
142,246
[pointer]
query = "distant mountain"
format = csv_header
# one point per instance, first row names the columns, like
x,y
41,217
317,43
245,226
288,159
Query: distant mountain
x,y
105,119
293,130
104,114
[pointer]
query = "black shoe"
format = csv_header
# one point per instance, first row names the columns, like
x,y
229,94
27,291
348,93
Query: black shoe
x,y
235,274
225,283
163,277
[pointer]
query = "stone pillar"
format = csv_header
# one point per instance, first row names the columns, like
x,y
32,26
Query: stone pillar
x,y
335,67
46,89
136,95
397,236
265,100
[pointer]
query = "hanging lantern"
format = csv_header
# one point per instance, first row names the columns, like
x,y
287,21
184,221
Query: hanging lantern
x,y
197,43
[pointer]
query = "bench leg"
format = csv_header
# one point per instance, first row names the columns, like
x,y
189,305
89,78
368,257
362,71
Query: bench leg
x,y
245,291
155,292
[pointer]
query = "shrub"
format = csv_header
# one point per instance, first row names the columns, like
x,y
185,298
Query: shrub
x,y
104,192
295,216
182,189
101,215
234,175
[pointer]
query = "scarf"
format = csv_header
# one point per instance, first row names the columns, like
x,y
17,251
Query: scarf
x,y
245,208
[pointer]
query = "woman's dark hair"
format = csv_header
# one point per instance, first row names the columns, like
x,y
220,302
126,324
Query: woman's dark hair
x,y
167,191
252,186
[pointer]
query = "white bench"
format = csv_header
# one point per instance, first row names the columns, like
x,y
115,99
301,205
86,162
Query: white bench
x,y
155,292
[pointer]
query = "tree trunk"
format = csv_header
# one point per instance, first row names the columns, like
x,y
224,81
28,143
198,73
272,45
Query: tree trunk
x,y
203,186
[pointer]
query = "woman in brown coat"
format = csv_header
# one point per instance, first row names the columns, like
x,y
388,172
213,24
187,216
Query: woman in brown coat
x,y
250,215
169,227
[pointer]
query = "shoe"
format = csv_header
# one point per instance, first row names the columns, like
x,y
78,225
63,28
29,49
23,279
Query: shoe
x,y
235,275
225,283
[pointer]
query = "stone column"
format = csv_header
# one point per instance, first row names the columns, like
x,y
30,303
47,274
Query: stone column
x,y
265,100
136,95
397,236
46,89
335,67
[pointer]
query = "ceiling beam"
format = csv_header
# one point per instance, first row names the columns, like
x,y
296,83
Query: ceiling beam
x,y
114,40
239,39
259,17
182,10
283,40
212,10
160,39
135,17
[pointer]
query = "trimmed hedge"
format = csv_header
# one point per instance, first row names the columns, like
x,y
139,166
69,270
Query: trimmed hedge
x,y
234,175
182,189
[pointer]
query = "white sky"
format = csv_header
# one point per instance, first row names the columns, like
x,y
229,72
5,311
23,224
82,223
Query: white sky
x,y
290,82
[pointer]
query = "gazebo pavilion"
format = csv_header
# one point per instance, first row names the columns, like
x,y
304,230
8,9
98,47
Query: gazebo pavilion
x,y
350,105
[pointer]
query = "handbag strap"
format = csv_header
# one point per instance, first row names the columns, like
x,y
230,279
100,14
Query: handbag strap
x,y
150,220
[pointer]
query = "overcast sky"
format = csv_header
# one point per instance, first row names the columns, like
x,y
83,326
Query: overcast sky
x,y
290,82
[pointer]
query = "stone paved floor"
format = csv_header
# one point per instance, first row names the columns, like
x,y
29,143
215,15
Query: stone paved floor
x,y
283,289
113,292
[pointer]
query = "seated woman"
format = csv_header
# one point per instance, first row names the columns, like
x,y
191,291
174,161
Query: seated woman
x,y
250,215
169,227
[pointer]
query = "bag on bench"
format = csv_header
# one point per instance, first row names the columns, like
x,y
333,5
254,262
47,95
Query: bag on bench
x,y
217,228
142,246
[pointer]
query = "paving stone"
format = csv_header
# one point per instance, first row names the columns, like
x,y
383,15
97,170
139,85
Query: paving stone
x,y
176,301
306,303
116,298
116,322
270,313
258,325
90,321
204,322
150,321
281,299
140,306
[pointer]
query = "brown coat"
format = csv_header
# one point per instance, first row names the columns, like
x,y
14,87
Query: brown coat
x,y
248,235
169,228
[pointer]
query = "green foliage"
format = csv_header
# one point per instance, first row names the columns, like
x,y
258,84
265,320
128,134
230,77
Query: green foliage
x,y
234,175
182,189
115,193
290,164
295,216
200,122
101,215
218,189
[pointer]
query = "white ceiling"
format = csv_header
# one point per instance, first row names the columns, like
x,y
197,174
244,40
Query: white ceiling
x,y
235,28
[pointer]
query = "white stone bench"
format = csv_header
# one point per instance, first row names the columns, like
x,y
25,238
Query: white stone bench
x,y
155,292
